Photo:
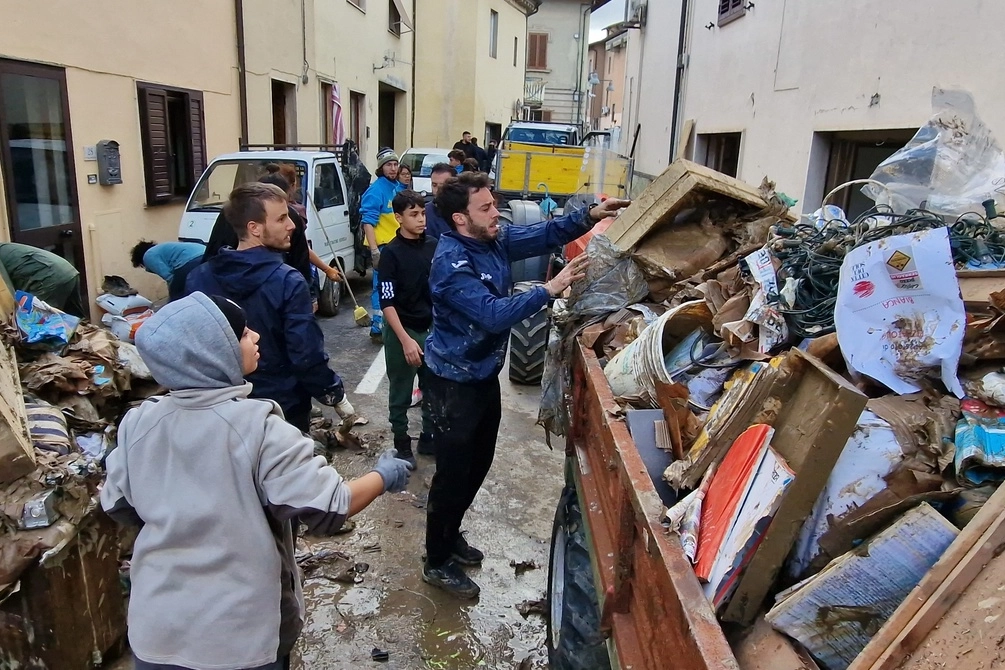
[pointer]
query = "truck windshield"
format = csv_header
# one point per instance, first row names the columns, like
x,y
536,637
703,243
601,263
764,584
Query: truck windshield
x,y
539,136
421,164
222,177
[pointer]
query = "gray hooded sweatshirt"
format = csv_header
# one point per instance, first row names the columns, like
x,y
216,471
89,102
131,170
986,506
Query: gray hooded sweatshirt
x,y
213,478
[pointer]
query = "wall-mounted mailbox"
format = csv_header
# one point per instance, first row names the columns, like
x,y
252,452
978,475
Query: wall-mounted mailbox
x,y
109,164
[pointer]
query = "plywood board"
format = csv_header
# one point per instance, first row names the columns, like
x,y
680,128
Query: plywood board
x,y
17,456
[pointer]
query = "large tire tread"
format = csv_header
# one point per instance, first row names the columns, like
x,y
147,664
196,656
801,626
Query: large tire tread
x,y
528,345
581,645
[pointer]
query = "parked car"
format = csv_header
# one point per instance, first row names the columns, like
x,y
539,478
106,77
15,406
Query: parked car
x,y
421,161
322,192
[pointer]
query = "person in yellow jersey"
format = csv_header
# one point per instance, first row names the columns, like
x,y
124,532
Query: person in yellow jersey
x,y
379,224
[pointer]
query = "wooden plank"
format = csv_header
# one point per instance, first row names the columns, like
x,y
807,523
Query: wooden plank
x,y
976,291
17,455
939,589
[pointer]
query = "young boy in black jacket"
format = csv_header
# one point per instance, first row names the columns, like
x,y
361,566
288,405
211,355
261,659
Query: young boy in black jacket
x,y
408,315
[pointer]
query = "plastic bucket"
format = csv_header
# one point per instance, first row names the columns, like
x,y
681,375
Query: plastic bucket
x,y
633,371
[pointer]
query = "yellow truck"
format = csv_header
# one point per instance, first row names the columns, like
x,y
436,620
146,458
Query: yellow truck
x,y
539,159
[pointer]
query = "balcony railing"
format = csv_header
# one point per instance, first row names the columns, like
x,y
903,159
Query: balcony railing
x,y
533,91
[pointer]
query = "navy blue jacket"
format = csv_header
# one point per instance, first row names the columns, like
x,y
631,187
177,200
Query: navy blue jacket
x,y
436,225
473,310
293,365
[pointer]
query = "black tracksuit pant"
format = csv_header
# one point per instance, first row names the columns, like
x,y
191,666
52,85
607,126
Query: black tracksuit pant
x,y
465,427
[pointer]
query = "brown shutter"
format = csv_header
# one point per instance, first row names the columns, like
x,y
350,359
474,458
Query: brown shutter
x,y
154,129
197,132
546,115
537,51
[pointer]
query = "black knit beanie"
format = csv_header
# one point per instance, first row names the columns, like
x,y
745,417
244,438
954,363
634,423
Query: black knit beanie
x,y
233,313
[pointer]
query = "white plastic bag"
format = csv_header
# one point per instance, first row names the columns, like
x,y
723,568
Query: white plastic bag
x,y
899,314
950,166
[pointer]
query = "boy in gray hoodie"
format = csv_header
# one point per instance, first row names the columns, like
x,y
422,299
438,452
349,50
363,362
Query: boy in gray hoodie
x,y
215,480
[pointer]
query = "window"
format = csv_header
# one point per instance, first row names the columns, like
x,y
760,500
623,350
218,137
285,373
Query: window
x,y
357,118
284,112
855,155
172,125
541,115
721,152
327,114
537,51
493,33
393,19
327,187
730,10
516,49
358,4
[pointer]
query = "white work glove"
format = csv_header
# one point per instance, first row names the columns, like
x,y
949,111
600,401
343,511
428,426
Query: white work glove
x,y
393,471
344,408
375,258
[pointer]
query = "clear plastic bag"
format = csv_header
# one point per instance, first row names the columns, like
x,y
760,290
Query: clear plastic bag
x,y
950,166
612,281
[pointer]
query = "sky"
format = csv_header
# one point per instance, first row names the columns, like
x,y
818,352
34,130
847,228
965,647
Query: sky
x,y
612,12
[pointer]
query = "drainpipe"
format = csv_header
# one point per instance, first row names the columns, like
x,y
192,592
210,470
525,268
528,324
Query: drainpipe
x,y
678,94
579,81
242,81
415,32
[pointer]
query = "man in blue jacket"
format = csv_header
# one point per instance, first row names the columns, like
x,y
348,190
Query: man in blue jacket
x,y
473,312
435,224
293,366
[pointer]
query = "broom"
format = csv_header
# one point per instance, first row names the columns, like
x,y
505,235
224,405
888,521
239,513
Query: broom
x,y
359,314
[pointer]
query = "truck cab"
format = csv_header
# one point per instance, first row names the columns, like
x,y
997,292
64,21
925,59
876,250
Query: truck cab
x,y
541,132
321,192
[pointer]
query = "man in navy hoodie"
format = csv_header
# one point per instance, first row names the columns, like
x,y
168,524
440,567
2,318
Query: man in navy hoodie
x,y
473,311
294,366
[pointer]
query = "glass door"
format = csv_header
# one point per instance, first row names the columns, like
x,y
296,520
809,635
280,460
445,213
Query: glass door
x,y
36,157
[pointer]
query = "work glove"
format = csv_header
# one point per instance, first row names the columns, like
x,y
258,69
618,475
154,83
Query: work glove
x,y
375,258
344,408
393,471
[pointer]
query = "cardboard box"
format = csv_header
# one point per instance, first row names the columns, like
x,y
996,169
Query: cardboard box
x,y
17,456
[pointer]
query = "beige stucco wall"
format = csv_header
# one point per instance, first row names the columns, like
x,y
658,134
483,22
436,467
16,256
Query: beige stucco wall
x,y
650,60
105,47
777,75
459,86
343,45
567,24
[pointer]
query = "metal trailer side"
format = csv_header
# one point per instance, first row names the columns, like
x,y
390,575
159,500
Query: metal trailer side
x,y
653,610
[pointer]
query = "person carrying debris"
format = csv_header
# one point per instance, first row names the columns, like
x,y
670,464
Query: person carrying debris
x,y
294,366
171,261
214,479
45,275
408,315
473,311
379,224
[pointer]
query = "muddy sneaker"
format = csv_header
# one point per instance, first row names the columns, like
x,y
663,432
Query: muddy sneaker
x,y
451,579
465,554
426,447
376,338
404,447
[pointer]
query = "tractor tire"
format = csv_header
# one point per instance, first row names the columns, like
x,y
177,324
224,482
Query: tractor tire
x,y
574,638
329,298
528,344
522,213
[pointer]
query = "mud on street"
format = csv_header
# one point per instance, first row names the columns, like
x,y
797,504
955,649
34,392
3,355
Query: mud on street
x,y
391,608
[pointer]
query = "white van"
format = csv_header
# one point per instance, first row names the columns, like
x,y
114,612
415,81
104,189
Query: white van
x,y
322,193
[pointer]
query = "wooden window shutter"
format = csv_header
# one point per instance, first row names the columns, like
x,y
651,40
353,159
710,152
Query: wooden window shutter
x,y
546,115
537,51
156,159
197,133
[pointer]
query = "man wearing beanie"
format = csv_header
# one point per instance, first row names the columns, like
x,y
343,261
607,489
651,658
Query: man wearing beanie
x,y
379,223
214,480
294,365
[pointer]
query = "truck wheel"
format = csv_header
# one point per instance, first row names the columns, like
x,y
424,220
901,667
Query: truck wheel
x,y
329,298
522,213
528,344
574,638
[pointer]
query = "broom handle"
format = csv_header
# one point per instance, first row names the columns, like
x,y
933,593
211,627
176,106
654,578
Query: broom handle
x,y
338,261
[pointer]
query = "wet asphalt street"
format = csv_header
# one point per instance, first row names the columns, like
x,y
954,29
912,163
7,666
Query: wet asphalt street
x,y
391,608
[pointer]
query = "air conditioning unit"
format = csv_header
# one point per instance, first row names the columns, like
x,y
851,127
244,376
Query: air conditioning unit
x,y
637,11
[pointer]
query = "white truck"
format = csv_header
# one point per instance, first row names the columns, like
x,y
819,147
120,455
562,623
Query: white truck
x,y
322,191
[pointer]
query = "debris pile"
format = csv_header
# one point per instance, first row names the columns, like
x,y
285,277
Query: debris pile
x,y
819,401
